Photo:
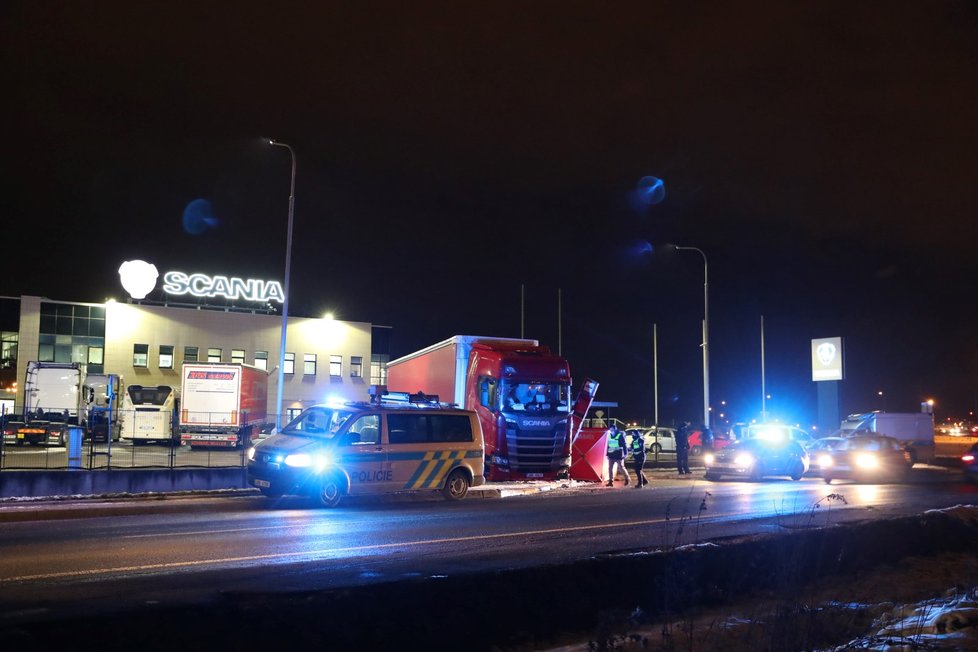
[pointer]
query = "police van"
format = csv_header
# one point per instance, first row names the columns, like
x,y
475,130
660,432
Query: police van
x,y
355,449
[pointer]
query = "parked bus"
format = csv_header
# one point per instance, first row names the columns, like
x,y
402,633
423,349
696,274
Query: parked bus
x,y
148,413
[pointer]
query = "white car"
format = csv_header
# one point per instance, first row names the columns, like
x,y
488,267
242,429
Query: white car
x,y
658,439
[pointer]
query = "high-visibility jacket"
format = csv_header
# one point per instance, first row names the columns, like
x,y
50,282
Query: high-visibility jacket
x,y
638,444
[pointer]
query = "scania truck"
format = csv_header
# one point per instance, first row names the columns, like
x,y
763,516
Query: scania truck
x,y
520,390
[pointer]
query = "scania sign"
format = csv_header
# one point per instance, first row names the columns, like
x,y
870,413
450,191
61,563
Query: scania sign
x,y
202,285
139,279
535,423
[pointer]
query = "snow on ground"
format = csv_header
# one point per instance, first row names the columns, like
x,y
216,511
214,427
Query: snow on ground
x,y
919,604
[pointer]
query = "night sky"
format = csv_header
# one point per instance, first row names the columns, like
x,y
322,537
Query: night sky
x,y
823,155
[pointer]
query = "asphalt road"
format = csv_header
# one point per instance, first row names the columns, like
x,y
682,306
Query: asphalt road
x,y
107,556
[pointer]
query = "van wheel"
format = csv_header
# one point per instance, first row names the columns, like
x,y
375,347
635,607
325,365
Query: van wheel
x,y
330,492
456,486
656,448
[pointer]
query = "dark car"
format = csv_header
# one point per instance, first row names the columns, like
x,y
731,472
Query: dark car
x,y
758,458
969,463
816,448
866,458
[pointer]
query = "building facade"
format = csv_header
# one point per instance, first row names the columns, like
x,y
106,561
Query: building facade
x,y
146,344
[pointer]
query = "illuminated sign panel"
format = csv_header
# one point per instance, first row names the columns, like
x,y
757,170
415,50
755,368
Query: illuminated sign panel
x,y
202,285
139,279
827,359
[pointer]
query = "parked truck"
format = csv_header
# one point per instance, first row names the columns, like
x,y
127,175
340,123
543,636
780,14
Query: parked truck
x,y
520,390
59,396
914,429
221,404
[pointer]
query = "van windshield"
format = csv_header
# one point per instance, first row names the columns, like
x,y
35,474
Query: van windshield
x,y
320,422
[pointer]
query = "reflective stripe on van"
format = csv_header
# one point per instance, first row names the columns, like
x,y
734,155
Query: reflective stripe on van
x,y
434,466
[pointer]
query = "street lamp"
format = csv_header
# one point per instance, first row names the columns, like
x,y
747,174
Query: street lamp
x,y
285,299
706,335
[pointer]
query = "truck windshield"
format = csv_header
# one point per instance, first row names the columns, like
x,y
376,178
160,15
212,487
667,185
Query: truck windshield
x,y
545,398
317,422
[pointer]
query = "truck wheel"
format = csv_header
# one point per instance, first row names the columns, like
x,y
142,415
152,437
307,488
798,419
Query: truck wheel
x,y
330,491
456,486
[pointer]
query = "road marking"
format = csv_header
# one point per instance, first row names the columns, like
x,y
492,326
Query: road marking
x,y
323,552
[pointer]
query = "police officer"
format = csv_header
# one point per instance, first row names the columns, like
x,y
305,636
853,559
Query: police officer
x,y
638,456
682,449
617,448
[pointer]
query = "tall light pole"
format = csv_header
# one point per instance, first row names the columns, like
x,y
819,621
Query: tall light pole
x,y
285,300
706,335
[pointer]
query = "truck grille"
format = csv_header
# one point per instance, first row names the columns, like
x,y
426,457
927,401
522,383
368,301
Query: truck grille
x,y
534,451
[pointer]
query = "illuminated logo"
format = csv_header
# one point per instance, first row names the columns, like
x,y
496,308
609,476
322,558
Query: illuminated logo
x,y
138,278
535,423
202,285
826,353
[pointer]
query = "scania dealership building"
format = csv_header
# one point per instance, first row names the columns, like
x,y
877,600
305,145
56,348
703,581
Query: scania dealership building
x,y
192,318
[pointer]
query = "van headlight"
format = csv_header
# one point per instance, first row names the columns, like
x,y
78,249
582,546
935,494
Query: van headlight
x,y
825,461
298,460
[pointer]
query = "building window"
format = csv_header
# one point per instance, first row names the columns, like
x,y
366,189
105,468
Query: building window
x,y
140,355
261,360
238,356
356,366
309,364
96,355
335,365
213,355
166,356
289,366
190,354
378,369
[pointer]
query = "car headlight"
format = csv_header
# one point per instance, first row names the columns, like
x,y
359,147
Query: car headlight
x,y
867,461
322,460
708,459
825,461
251,453
744,460
298,460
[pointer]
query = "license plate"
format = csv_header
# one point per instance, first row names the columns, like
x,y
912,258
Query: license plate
x,y
264,484
534,475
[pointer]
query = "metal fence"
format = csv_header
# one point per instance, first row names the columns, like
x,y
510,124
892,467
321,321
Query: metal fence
x,y
26,446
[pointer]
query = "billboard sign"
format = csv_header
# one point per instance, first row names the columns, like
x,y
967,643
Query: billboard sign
x,y
827,363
